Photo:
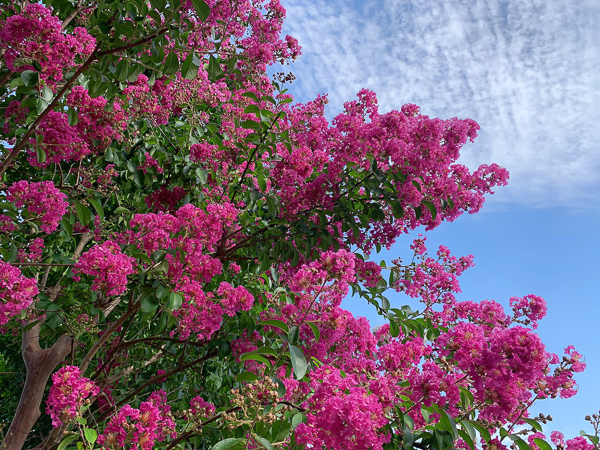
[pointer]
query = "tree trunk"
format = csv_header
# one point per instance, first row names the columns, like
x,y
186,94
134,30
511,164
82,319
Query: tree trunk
x,y
40,363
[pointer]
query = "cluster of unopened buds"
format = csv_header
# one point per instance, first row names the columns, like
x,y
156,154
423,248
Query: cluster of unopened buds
x,y
83,324
255,402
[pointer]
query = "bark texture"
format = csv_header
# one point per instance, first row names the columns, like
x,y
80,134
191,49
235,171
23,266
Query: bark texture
x,y
40,363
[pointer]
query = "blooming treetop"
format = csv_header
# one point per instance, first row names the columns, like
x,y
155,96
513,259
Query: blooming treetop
x,y
178,235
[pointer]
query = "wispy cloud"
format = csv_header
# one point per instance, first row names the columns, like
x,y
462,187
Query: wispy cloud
x,y
527,70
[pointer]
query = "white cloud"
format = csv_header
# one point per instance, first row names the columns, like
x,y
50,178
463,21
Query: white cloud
x,y
527,70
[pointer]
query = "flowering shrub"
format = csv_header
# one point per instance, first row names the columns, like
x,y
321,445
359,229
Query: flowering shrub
x,y
182,233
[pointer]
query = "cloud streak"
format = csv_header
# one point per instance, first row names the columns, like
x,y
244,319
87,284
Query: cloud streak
x,y
527,70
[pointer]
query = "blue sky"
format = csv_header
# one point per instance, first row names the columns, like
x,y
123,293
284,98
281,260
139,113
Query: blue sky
x,y
529,72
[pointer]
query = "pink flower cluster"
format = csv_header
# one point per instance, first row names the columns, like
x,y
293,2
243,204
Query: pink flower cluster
x,y
108,265
343,416
558,439
202,313
422,151
16,292
139,428
504,365
328,276
532,307
164,199
42,201
95,125
201,408
6,224
94,131
67,394
192,232
150,162
35,34
154,101
33,252
433,280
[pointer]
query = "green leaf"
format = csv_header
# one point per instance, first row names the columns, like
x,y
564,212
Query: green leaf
x,y
122,70
121,210
228,444
315,330
465,437
202,175
156,17
202,9
161,291
40,154
90,435
67,225
252,109
255,357
296,258
410,423
73,117
408,439
469,429
97,206
83,213
298,419
293,335
251,95
175,301
394,328
276,323
431,207
542,444
592,438
16,82
214,68
520,442
189,69
171,64
448,423
159,4
534,423
251,125
466,397
298,362
418,212
30,77
485,434
158,57
246,377
264,442
47,94
149,304
31,325
66,441
41,105
265,351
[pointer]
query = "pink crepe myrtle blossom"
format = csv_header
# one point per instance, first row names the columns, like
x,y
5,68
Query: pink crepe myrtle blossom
x,y
67,394
42,201
16,292
36,34
109,267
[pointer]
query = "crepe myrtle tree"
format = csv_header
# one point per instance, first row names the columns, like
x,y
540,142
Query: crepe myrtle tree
x,y
177,235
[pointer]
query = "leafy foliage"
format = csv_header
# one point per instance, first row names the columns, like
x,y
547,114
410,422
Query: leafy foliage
x,y
178,234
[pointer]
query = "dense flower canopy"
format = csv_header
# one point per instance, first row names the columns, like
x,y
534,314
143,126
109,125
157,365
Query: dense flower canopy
x,y
178,235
